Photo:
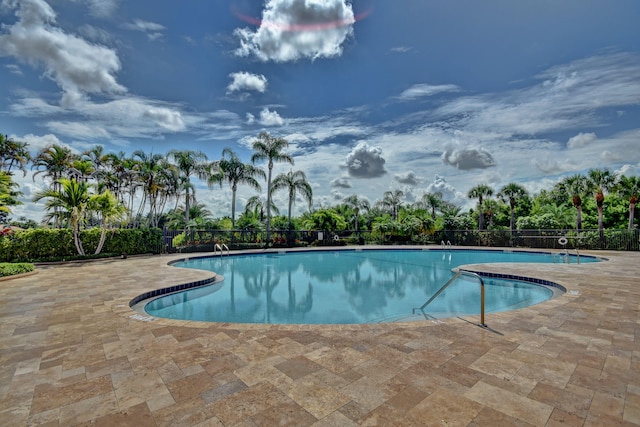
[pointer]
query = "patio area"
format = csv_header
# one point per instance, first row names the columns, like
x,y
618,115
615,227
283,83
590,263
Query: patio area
x,y
72,352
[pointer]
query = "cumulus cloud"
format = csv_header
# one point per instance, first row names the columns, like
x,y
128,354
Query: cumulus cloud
x,y
581,140
270,118
423,90
409,178
448,191
77,66
468,158
341,183
365,161
295,29
243,81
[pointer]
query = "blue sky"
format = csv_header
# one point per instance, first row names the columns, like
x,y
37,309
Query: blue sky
x,y
372,95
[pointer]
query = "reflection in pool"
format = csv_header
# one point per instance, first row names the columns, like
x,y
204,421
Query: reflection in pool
x,y
346,287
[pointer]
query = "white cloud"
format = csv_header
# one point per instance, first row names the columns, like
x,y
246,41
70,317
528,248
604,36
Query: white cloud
x,y
341,183
423,90
77,66
448,191
270,118
468,158
581,140
365,161
243,81
408,178
295,29
151,29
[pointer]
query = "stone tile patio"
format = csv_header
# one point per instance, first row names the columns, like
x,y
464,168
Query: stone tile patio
x,y
72,352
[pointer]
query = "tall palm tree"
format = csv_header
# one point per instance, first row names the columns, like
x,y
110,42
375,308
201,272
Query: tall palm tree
x,y
576,186
71,202
392,200
267,147
295,183
235,172
152,171
54,162
629,187
479,192
601,181
358,205
189,163
512,193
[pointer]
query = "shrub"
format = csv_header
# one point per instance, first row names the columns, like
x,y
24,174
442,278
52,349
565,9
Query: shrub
x,y
11,269
44,244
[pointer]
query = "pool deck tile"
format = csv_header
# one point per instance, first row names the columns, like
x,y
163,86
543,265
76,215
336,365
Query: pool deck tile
x,y
72,352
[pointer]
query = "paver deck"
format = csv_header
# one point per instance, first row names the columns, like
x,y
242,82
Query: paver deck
x,y
72,352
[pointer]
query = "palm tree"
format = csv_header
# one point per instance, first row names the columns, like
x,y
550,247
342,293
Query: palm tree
x,y
601,181
392,200
629,187
70,201
153,173
267,147
257,207
358,205
54,161
511,193
13,153
294,183
235,172
431,202
576,186
479,192
109,210
188,163
561,214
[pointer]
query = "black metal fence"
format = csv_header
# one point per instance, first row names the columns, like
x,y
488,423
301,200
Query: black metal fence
x,y
206,240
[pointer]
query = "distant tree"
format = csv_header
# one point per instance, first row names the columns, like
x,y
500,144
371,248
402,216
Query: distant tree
x,y
269,148
189,163
358,204
576,186
234,172
294,183
432,202
480,192
601,181
511,193
392,200
629,187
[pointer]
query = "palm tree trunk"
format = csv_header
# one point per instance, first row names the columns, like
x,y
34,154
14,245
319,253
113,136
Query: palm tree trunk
x,y
632,208
269,205
233,207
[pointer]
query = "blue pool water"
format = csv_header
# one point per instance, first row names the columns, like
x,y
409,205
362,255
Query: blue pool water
x,y
347,287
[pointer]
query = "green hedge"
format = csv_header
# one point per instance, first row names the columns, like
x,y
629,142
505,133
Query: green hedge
x,y
43,244
11,269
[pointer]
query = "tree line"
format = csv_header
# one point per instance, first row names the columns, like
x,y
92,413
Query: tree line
x,y
101,189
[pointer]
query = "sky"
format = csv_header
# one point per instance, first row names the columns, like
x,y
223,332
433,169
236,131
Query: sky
x,y
372,95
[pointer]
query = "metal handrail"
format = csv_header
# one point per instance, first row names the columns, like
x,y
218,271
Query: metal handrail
x,y
217,247
449,282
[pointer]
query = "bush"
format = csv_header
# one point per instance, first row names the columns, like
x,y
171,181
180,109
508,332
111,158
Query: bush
x,y
44,244
11,269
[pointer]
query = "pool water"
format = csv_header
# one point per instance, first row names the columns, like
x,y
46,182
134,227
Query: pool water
x,y
347,287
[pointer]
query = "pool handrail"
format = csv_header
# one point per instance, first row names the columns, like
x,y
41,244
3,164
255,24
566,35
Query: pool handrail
x,y
217,247
449,282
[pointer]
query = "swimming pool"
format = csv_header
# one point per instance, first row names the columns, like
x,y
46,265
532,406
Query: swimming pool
x,y
347,287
